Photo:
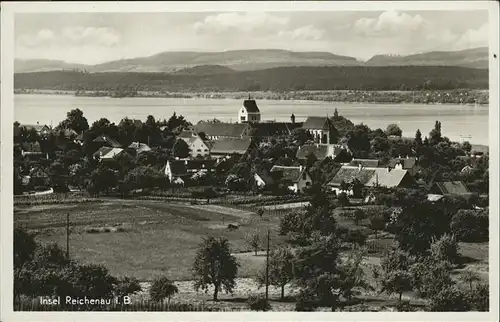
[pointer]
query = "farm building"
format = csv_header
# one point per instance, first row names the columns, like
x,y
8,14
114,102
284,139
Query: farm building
x,y
296,178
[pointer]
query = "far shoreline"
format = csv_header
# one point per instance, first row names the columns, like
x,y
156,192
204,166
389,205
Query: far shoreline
x,y
272,96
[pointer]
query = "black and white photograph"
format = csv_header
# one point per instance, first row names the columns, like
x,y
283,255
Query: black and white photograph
x,y
237,157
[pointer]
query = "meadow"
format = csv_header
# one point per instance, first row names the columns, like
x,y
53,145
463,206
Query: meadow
x,y
147,238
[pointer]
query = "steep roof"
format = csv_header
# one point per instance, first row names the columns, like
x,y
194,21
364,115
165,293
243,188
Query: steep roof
x,y
317,123
230,146
139,147
407,163
267,129
288,173
181,167
368,163
389,179
452,187
348,173
265,176
222,129
37,127
102,151
185,134
251,106
106,139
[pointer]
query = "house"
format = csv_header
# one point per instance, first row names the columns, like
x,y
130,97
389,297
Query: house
x,y
349,173
186,168
31,148
263,179
42,130
217,131
227,147
106,140
449,188
249,112
365,163
139,147
271,129
197,147
396,178
107,153
321,128
297,178
409,163
38,176
338,153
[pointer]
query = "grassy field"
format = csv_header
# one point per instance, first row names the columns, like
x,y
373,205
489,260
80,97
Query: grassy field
x,y
148,238
157,237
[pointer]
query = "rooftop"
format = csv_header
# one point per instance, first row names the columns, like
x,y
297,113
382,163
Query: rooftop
x,y
288,173
317,123
222,129
251,106
230,146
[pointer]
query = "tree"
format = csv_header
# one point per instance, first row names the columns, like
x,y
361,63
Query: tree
x,y
395,276
76,121
280,269
393,129
214,265
376,222
418,138
209,193
24,246
358,139
353,275
357,188
359,215
126,286
253,241
430,276
317,270
470,225
355,237
445,249
449,299
469,277
343,200
301,136
180,149
162,288
435,135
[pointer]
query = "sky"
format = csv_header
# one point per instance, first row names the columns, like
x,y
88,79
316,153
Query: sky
x,y
92,38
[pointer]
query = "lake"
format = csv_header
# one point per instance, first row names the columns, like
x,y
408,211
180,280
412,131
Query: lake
x,y
456,120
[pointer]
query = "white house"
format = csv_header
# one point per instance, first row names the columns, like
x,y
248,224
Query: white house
x,y
197,146
297,178
249,112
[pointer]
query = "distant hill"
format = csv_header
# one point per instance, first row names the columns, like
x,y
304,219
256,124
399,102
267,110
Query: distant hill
x,y
41,65
473,58
273,79
204,70
249,60
171,61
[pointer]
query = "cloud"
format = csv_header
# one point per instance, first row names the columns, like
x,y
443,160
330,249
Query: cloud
x,y
72,36
246,22
390,23
308,32
474,38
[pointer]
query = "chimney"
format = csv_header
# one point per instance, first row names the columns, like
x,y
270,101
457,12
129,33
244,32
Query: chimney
x,y
186,162
360,166
292,118
300,168
100,154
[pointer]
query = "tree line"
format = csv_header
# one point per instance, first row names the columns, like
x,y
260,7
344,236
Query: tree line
x,y
273,79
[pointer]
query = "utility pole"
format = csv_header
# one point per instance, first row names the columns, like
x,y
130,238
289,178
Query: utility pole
x,y
267,267
67,235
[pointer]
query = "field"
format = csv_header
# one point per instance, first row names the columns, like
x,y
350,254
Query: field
x,y
144,239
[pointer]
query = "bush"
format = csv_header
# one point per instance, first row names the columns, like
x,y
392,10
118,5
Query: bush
x,y
162,288
448,300
258,303
479,298
470,225
445,249
305,304
404,306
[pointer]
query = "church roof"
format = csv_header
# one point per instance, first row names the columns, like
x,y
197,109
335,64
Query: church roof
x,y
251,106
316,123
222,129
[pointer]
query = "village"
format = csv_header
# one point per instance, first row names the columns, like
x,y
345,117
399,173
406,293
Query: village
x,y
212,148
165,186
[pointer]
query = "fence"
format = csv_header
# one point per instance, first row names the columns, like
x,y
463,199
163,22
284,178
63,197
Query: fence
x,y
136,306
